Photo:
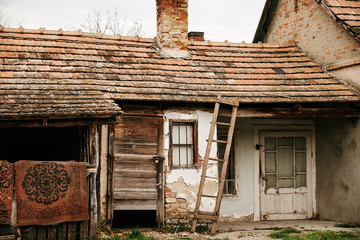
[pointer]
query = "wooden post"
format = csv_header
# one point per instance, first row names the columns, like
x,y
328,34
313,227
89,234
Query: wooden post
x,y
110,176
160,176
93,159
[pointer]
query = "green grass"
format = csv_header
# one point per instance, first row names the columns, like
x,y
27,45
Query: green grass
x,y
202,228
269,228
316,235
283,233
347,225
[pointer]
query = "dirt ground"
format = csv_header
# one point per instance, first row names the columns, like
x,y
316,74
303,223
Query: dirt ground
x,y
251,230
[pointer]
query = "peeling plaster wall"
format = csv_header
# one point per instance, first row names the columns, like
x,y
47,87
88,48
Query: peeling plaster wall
x,y
183,184
338,164
241,205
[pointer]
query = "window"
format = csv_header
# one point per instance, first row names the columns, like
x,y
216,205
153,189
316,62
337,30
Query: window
x,y
230,181
183,139
285,162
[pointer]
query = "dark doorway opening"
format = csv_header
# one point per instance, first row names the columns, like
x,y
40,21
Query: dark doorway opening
x,y
132,219
40,144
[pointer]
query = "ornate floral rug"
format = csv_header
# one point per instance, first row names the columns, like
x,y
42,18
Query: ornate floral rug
x,y
50,192
6,190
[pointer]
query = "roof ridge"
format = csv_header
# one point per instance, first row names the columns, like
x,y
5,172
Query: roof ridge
x,y
242,44
78,33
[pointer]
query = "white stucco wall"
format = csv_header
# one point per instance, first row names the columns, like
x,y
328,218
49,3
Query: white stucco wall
x,y
241,205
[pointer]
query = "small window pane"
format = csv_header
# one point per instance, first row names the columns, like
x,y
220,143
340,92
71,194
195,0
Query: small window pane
x,y
270,162
300,143
286,162
270,143
285,141
270,181
175,134
185,155
176,155
286,183
300,162
300,180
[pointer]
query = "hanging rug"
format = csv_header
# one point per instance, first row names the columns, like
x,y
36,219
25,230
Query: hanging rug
x,y
50,192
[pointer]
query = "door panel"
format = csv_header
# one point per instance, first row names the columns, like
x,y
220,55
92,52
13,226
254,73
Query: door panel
x,y
135,171
285,184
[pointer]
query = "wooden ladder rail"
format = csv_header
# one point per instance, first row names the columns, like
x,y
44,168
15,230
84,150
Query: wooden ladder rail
x,y
214,216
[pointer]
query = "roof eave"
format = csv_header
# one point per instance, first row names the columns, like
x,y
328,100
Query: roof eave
x,y
265,20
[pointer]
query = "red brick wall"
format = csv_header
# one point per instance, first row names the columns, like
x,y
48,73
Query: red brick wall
x,y
313,30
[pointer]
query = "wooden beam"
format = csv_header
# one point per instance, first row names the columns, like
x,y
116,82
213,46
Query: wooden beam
x,y
56,123
110,177
94,159
293,112
160,213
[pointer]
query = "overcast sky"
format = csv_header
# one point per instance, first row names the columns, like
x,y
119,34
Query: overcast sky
x,y
232,20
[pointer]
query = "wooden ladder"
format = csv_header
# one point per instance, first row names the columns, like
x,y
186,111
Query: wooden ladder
x,y
214,216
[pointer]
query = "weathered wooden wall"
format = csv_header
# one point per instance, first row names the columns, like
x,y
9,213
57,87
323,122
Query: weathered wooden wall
x,y
136,145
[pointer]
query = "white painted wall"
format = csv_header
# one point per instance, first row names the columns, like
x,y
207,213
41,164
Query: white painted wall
x,y
240,206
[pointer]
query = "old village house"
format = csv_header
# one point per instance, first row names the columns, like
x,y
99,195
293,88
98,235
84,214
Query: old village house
x,y
138,112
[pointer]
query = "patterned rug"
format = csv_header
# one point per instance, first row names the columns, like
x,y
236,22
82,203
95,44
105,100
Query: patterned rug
x,y
50,192
6,190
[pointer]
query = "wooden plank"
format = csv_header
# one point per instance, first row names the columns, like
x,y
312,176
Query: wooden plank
x,y
133,157
84,230
296,112
134,174
135,165
62,231
110,176
28,233
52,233
94,159
41,233
135,195
5,229
160,167
71,231
8,237
121,206
134,184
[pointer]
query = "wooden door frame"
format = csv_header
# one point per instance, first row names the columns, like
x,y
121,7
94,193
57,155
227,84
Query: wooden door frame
x,y
292,127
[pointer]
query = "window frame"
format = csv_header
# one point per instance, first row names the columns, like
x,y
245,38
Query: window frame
x,y
195,152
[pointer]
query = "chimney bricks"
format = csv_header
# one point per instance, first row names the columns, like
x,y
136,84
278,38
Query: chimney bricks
x,y
172,27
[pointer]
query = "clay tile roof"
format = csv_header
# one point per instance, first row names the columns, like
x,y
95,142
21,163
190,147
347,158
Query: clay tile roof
x,y
74,71
347,12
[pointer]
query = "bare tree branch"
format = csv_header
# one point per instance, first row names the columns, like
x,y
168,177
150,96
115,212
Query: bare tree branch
x,y
112,23
4,20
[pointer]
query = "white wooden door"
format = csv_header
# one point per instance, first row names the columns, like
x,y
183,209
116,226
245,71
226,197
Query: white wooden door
x,y
286,175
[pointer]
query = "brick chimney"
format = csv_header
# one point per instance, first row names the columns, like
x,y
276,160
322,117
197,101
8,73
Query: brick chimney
x,y
172,27
196,36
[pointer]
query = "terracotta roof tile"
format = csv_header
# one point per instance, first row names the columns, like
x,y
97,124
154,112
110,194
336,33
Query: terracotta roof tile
x,y
347,12
78,73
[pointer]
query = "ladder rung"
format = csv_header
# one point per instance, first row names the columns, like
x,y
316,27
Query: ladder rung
x,y
217,159
206,213
207,217
209,196
222,123
220,141
217,178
